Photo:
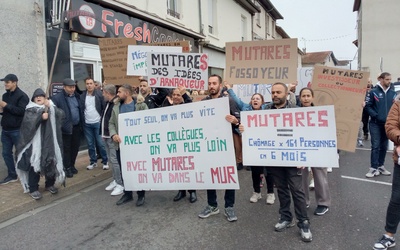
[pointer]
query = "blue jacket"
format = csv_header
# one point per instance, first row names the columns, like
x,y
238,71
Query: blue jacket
x,y
242,105
379,103
60,100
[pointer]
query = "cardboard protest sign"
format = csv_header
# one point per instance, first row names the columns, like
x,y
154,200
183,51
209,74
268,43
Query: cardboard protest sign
x,y
113,53
266,61
137,57
186,47
170,70
188,146
346,90
290,137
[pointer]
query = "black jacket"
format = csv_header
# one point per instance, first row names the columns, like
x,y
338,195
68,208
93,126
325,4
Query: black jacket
x,y
156,100
60,100
379,103
14,111
99,102
105,118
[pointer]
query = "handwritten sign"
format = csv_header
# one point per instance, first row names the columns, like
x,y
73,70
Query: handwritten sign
x,y
266,61
113,53
170,70
137,57
188,146
290,137
186,46
346,90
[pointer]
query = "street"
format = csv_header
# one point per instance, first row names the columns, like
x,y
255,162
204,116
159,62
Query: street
x,y
91,220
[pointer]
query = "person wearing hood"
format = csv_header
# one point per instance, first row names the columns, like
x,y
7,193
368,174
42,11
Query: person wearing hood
x,y
39,149
379,101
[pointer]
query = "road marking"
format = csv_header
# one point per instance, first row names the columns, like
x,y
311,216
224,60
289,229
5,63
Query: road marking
x,y
366,180
54,203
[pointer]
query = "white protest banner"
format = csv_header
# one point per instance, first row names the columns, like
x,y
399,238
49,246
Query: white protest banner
x,y
137,57
170,70
188,146
290,137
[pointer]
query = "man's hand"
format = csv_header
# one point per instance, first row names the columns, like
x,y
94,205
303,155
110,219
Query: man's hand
x,y
241,128
227,85
182,90
3,104
232,119
116,138
45,116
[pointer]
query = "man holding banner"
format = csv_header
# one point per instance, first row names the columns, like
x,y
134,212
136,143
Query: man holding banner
x,y
215,91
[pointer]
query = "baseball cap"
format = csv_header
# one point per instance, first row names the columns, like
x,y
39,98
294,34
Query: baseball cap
x,y
10,77
69,82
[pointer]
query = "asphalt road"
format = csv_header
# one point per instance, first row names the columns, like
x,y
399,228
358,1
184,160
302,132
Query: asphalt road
x,y
91,220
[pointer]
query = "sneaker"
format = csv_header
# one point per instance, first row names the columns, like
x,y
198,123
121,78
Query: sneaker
x,y
372,172
209,210
255,197
311,186
382,170
329,170
321,210
366,137
106,167
283,224
91,166
230,214
384,243
305,232
360,143
270,199
8,179
111,186
117,190
36,195
52,189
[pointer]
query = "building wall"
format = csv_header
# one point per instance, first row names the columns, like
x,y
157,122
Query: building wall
x,y
380,37
23,50
188,11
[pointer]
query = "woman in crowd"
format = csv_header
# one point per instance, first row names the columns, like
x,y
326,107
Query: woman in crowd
x,y
321,187
256,103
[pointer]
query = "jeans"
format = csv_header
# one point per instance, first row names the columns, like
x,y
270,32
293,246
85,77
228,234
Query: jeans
x,y
379,144
93,137
229,198
393,210
111,148
9,139
365,119
288,180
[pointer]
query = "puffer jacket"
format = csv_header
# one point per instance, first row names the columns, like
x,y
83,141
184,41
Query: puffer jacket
x,y
392,127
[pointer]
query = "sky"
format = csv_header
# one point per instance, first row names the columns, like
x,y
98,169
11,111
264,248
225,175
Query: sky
x,y
321,25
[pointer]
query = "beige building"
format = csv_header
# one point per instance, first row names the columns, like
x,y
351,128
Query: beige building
x,y
378,43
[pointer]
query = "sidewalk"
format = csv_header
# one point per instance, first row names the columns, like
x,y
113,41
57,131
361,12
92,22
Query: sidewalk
x,y
14,202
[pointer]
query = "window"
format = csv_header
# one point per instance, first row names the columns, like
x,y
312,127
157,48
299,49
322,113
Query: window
x,y
267,23
212,14
258,16
173,8
243,28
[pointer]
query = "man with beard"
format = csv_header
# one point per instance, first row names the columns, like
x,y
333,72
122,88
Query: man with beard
x,y
152,100
125,105
215,91
288,180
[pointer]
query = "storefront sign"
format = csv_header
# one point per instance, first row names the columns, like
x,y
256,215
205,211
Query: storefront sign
x,y
102,22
